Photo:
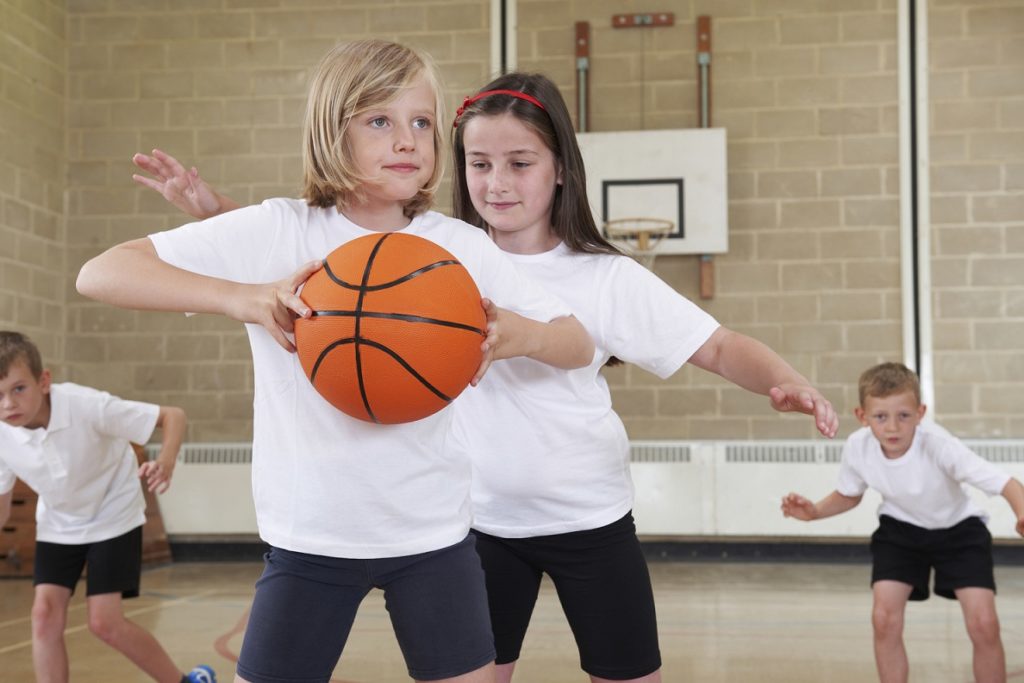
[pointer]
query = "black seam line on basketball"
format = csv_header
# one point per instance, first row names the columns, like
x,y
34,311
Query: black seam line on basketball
x,y
404,317
377,345
359,310
373,288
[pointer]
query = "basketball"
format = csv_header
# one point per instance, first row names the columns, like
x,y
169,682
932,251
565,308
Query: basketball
x,y
396,328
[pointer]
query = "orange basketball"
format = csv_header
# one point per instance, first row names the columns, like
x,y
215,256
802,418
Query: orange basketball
x,y
396,328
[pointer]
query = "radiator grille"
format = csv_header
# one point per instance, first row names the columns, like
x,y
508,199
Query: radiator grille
x,y
659,451
753,452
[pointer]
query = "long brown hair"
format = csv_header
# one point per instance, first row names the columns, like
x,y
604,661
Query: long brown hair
x,y
571,218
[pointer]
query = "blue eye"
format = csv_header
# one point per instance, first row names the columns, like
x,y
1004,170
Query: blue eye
x,y
378,122
422,123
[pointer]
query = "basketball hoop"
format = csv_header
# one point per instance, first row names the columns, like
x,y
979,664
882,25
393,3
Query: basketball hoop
x,y
641,236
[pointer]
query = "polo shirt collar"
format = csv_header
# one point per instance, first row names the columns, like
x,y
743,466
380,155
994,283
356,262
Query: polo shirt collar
x,y
60,416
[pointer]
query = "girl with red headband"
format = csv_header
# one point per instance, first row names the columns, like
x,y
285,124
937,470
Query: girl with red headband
x,y
551,489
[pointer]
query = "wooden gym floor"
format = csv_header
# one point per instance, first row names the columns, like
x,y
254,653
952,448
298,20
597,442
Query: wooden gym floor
x,y
718,622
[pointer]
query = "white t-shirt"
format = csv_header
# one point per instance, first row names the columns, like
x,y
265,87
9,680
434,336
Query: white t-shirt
x,y
923,486
81,464
549,454
325,483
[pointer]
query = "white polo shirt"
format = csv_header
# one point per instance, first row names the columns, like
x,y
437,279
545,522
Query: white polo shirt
x,y
924,486
82,464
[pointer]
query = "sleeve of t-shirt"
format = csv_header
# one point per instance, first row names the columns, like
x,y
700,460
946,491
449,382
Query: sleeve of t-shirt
x,y
646,322
234,246
966,466
7,478
850,482
123,419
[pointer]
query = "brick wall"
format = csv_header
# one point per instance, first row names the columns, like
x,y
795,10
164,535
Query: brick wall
x,y
977,182
222,84
33,76
807,90
808,94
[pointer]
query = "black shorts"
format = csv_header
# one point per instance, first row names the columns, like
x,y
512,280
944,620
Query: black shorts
x,y
961,556
305,605
602,582
115,565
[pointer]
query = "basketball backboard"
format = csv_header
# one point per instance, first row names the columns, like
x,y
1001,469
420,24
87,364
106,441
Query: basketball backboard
x,y
672,175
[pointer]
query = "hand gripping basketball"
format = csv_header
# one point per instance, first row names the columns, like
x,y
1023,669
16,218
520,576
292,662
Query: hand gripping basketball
x,y
396,329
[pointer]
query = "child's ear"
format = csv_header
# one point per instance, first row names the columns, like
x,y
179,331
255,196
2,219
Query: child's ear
x,y
44,381
558,177
858,412
921,410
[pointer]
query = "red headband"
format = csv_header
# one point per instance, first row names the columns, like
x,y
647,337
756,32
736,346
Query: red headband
x,y
479,96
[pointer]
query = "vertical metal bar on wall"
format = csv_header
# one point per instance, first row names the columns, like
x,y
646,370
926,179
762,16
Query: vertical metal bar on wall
x,y
582,76
504,53
915,214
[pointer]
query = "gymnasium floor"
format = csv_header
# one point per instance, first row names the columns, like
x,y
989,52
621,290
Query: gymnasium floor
x,y
718,621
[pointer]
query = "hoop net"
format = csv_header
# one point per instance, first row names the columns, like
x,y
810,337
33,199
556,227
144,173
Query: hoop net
x,y
641,236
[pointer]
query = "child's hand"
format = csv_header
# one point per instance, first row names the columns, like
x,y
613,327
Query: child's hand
x,y
182,188
157,474
787,398
798,507
491,311
275,305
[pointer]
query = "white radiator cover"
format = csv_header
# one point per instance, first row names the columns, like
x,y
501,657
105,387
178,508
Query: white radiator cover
x,y
724,490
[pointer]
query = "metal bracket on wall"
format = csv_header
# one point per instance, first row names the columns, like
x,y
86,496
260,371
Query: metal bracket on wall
x,y
643,20
582,75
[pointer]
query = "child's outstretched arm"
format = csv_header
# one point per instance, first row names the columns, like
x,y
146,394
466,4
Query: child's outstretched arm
x,y
157,473
750,364
562,343
182,188
1013,492
796,506
132,275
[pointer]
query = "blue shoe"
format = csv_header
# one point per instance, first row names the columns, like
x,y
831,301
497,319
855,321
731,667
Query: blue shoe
x,y
201,674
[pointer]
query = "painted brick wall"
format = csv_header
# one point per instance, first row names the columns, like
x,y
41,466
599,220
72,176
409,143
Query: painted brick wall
x,y
806,88
33,77
222,84
977,182
808,94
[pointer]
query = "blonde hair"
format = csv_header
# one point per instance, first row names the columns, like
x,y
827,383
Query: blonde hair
x,y
887,379
351,79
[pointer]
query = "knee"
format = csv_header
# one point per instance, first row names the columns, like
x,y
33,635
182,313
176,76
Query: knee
x,y
983,628
105,626
47,619
887,623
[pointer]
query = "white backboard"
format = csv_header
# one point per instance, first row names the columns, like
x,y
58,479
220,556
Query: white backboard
x,y
677,175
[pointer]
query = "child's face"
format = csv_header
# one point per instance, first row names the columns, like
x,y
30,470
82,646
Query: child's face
x,y
893,420
393,144
23,397
511,176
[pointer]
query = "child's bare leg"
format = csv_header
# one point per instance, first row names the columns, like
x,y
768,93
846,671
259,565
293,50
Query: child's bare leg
x,y
649,678
484,674
979,607
890,603
49,617
108,623
503,672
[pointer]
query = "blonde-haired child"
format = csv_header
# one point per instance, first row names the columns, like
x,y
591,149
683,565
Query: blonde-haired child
x,y
348,506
